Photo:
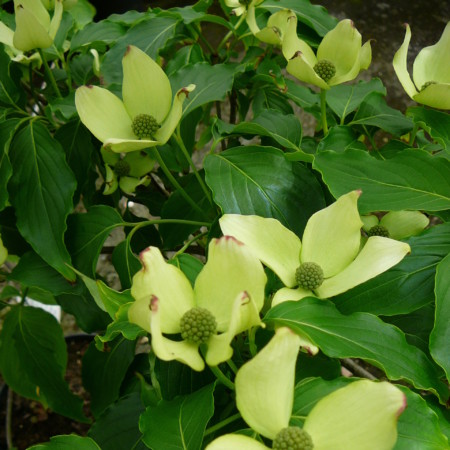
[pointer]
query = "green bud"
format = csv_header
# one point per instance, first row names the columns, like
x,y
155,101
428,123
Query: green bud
x,y
309,276
145,126
121,168
292,438
378,230
425,85
197,325
325,69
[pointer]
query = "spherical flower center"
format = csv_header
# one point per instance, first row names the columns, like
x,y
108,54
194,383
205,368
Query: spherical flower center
x,y
197,325
378,230
121,168
309,276
292,438
145,126
325,69
425,85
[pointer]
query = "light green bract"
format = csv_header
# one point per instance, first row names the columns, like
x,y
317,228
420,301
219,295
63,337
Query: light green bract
x,y
431,71
341,47
139,165
399,224
34,29
275,30
362,415
332,239
145,90
230,286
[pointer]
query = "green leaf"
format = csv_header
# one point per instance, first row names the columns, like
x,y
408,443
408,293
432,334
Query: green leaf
x,y
103,372
41,190
260,180
89,317
87,233
344,98
150,35
359,335
190,266
435,123
284,129
301,95
9,94
374,111
77,143
33,358
180,423
33,271
83,13
412,179
314,16
190,54
121,325
126,263
7,129
104,32
118,426
176,379
212,83
406,287
418,426
67,442
339,139
440,335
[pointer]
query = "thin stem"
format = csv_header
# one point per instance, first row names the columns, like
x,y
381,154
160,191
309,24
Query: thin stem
x,y
372,142
357,369
323,110
221,377
413,134
231,32
49,74
189,243
251,341
204,40
222,424
177,136
232,366
174,182
8,421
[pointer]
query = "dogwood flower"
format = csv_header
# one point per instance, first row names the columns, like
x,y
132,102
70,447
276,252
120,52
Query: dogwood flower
x,y
241,6
226,300
328,260
395,224
34,27
145,118
340,56
362,415
431,71
128,172
277,24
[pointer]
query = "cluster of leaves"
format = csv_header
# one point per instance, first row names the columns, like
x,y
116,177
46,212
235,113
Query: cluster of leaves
x,y
241,125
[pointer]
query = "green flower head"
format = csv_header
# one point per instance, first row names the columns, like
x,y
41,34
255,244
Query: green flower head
x,y
340,56
431,71
331,241
361,415
226,300
128,172
146,117
34,29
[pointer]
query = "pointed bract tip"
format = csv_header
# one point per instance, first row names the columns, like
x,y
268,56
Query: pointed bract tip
x,y
227,238
403,407
128,50
245,298
359,192
297,54
154,303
